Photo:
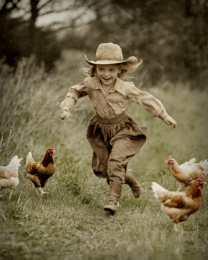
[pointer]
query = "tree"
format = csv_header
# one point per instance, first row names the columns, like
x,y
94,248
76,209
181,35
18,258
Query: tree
x,y
170,36
6,6
19,34
22,15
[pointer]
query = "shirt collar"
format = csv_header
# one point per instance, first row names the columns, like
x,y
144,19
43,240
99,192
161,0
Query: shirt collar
x,y
118,86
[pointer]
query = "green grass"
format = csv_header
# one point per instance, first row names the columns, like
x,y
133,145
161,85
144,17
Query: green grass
x,y
69,222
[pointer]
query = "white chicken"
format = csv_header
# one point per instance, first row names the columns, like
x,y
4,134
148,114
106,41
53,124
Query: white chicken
x,y
180,205
188,171
9,175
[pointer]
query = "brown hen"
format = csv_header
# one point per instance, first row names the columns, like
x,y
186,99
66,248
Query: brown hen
x,y
180,205
188,171
40,172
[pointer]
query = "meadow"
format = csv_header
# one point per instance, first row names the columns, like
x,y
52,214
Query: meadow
x,y
69,221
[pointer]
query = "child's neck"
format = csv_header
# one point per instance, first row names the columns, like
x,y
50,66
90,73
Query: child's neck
x,y
107,88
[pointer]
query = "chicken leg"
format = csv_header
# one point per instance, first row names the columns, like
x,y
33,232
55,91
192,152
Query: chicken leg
x,y
175,228
42,192
10,194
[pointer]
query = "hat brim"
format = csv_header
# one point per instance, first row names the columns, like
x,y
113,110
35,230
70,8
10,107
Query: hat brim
x,y
109,62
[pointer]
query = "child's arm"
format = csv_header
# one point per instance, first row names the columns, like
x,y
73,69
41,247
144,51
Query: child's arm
x,y
74,93
151,104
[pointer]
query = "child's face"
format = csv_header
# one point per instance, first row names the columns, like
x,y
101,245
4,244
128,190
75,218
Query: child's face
x,y
107,74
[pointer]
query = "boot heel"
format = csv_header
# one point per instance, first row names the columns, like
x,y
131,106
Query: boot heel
x,y
109,212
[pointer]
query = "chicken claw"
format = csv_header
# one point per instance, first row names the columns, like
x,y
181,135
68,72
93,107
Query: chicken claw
x,y
42,192
175,228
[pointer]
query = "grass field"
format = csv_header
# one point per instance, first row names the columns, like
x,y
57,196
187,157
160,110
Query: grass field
x,y
69,221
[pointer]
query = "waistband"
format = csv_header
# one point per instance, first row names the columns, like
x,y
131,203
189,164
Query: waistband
x,y
111,120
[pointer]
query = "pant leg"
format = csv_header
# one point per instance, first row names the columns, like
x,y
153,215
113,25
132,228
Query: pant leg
x,y
100,157
123,149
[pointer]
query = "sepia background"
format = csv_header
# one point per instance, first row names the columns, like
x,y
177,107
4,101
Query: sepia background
x,y
42,48
170,36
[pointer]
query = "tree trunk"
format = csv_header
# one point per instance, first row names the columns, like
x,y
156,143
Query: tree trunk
x,y
33,30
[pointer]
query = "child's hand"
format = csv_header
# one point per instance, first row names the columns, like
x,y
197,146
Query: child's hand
x,y
65,114
170,121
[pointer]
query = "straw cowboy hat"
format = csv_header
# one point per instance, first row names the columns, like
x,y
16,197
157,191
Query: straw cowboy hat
x,y
110,53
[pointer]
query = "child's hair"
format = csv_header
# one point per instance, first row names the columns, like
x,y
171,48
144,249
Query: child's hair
x,y
125,71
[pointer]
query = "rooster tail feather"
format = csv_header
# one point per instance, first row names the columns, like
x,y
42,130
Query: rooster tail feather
x,y
29,162
15,161
192,161
157,188
204,165
29,158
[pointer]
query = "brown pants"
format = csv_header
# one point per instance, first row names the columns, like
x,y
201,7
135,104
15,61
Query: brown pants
x,y
114,143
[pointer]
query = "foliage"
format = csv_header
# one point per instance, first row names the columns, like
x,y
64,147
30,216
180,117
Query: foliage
x,y
16,42
170,36
69,222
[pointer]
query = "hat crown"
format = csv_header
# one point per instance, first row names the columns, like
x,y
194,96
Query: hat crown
x,y
109,51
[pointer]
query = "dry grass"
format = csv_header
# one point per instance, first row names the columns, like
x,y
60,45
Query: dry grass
x,y
69,222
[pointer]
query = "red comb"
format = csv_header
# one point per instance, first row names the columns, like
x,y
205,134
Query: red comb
x,y
52,147
168,158
201,178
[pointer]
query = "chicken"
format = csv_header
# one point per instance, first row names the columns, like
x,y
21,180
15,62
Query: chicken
x,y
40,172
187,171
9,175
180,205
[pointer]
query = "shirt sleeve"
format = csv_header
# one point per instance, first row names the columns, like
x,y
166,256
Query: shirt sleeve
x,y
75,92
148,101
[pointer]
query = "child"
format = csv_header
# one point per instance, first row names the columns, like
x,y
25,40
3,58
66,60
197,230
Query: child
x,y
113,135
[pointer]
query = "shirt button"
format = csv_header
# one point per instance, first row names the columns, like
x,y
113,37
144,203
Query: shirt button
x,y
106,113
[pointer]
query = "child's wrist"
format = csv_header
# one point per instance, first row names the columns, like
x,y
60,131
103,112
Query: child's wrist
x,y
163,115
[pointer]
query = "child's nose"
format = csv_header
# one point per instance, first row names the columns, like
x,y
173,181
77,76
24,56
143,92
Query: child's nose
x,y
105,72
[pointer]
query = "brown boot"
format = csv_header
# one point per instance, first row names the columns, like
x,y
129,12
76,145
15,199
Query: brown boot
x,y
131,181
114,195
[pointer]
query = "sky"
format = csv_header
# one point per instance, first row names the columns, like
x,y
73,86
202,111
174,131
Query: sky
x,y
62,17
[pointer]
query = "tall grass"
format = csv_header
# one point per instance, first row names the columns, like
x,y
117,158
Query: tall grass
x,y
69,222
